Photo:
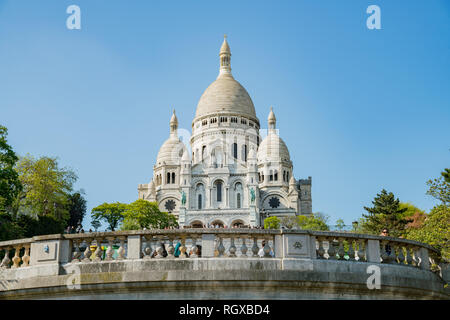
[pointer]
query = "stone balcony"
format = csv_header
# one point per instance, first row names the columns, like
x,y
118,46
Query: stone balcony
x,y
293,264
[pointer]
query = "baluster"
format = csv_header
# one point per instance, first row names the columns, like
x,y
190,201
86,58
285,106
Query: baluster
x,y
361,253
341,251
220,247
331,249
110,250
6,260
393,255
321,249
255,248
170,249
121,250
183,248
244,248
351,250
16,259
415,257
26,256
98,250
384,251
87,252
267,249
232,249
77,253
147,247
194,248
409,259
401,256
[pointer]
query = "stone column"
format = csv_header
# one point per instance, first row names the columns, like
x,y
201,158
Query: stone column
x,y
208,245
373,251
134,247
424,259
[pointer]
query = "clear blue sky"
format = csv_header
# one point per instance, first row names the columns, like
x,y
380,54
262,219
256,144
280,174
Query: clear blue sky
x,y
359,109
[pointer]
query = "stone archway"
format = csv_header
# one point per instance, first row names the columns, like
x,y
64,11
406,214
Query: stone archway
x,y
238,223
217,222
196,224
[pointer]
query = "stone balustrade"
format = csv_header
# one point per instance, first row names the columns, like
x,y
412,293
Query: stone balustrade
x,y
288,257
195,243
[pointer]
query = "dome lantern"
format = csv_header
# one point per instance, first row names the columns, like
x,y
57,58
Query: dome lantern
x,y
225,57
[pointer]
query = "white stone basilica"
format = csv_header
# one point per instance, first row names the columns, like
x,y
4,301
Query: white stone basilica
x,y
232,177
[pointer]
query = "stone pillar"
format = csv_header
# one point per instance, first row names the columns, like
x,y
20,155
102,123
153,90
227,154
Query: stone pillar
x,y
279,246
424,259
208,245
373,251
134,247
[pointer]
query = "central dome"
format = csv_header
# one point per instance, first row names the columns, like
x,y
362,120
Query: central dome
x,y
225,95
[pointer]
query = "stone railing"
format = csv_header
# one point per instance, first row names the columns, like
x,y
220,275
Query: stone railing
x,y
220,264
375,249
223,243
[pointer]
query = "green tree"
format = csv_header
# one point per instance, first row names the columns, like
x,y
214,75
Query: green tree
x,y
340,224
10,185
145,214
435,230
289,222
77,209
446,175
96,224
9,229
46,187
440,189
385,213
41,225
111,213
272,223
316,221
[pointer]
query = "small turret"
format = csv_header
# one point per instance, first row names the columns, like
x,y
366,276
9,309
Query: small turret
x,y
225,57
173,124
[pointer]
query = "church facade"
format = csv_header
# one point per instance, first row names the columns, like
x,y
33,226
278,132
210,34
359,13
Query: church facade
x,y
230,176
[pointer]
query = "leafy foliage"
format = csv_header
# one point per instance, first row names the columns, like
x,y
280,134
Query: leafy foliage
x,y
317,221
77,209
446,175
340,224
111,213
290,222
10,185
272,223
386,213
144,214
96,224
440,189
435,230
46,187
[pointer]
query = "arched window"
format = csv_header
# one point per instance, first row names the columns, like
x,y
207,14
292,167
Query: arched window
x,y
238,200
276,175
173,177
219,191
199,204
168,177
284,175
235,150
270,175
287,176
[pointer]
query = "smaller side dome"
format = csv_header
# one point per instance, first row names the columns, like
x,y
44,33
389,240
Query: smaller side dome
x,y
273,149
170,152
